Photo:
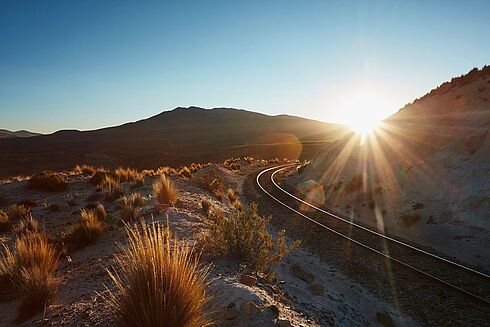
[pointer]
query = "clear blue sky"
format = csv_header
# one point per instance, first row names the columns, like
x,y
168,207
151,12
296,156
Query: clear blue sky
x,y
90,64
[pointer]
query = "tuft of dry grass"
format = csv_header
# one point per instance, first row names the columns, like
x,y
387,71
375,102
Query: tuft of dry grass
x,y
28,225
48,181
112,188
28,270
84,169
16,212
238,205
206,205
128,175
214,185
244,236
231,195
87,230
4,221
158,283
164,192
130,205
100,212
185,172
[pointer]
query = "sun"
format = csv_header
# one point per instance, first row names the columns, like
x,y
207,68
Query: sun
x,y
362,111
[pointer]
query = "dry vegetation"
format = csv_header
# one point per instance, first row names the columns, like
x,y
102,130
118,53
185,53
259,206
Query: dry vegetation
x,y
112,188
130,205
158,283
212,184
164,192
87,230
48,181
206,206
244,236
27,271
4,221
16,212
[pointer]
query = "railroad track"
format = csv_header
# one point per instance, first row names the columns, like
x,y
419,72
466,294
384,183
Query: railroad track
x,y
467,281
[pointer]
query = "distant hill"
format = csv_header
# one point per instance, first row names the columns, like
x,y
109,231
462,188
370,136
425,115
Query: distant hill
x,y
175,137
4,134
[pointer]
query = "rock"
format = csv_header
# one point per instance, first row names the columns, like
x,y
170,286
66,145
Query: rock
x,y
316,289
384,319
231,311
301,274
284,323
249,308
248,280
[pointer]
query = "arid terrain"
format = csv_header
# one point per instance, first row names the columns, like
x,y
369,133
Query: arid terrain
x,y
303,290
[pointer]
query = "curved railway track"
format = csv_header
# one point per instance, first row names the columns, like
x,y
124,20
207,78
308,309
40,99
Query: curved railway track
x,y
467,281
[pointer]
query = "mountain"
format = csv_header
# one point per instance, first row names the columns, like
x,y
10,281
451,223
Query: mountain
x,y
175,137
4,133
424,174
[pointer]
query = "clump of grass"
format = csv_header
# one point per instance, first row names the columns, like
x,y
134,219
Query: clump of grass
x,y
28,270
244,236
237,204
4,221
16,212
27,226
84,169
410,219
48,181
130,205
185,172
112,188
206,205
158,283
230,194
28,202
164,192
87,230
214,185
100,212
128,175
99,176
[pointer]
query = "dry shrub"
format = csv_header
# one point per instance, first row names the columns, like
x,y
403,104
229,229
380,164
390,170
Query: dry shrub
x,y
165,170
230,194
112,188
185,172
244,236
85,169
87,230
206,205
164,192
27,270
213,184
238,205
16,212
130,205
99,176
4,221
28,202
157,283
28,225
48,181
128,175
100,212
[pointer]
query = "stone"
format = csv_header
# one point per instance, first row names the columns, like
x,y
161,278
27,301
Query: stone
x,y
231,311
284,323
248,280
316,289
301,274
249,308
384,319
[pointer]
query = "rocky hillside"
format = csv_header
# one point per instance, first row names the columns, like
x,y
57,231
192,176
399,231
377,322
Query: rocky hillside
x,y
423,174
177,137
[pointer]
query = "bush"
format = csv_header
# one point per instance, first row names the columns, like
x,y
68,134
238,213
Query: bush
x,y
112,188
100,212
99,176
185,172
128,175
48,181
29,202
230,194
164,192
206,205
87,230
238,205
213,185
27,270
26,226
16,212
85,169
244,236
4,221
130,205
158,284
